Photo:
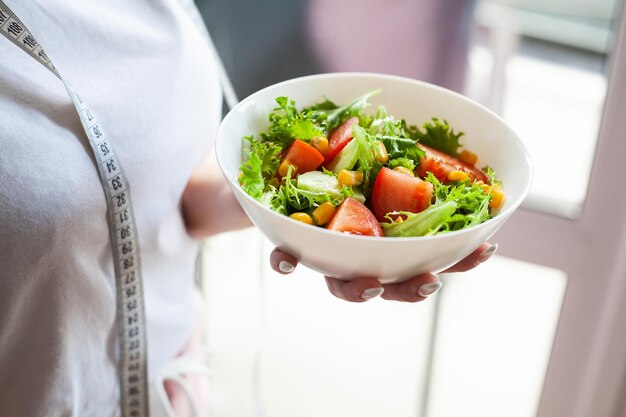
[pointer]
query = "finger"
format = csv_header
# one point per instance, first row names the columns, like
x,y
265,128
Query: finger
x,y
282,262
413,290
357,291
475,258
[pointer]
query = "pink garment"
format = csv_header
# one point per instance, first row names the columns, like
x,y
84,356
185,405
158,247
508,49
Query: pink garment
x,y
200,384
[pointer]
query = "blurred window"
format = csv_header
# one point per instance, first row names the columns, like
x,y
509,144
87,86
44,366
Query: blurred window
x,y
542,66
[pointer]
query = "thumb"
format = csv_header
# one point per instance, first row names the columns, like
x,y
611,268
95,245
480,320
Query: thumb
x,y
282,262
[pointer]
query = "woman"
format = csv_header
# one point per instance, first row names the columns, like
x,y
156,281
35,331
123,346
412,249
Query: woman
x,y
146,70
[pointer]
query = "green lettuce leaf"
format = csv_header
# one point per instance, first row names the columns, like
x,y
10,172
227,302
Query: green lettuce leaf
x,y
472,201
287,124
353,109
260,166
424,223
367,161
401,162
398,147
305,129
438,135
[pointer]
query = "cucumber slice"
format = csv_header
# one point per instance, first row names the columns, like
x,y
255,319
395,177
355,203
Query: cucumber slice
x,y
346,159
318,182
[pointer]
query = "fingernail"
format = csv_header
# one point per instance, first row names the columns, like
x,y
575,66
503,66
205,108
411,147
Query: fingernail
x,y
486,254
370,293
285,266
428,289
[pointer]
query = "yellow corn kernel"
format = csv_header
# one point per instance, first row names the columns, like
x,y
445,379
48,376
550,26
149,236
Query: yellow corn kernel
x,y
480,183
323,213
497,197
404,170
380,152
349,178
284,168
470,158
302,217
321,144
457,176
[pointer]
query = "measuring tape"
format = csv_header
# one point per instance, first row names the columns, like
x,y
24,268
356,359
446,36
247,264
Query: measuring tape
x,y
123,232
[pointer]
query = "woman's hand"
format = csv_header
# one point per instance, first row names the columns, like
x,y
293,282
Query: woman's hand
x,y
363,289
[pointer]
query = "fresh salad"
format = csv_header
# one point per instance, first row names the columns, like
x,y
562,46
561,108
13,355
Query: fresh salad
x,y
341,168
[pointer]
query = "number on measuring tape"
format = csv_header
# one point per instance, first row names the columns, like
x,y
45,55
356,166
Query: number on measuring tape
x,y
123,235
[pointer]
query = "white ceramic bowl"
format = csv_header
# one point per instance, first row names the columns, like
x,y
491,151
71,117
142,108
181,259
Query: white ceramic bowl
x,y
390,259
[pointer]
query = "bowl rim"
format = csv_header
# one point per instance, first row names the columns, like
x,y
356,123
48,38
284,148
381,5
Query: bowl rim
x,y
502,215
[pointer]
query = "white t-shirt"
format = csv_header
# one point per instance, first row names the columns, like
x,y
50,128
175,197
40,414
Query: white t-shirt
x,y
147,73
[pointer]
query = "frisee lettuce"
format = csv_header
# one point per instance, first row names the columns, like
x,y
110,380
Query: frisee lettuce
x,y
401,162
287,124
438,135
260,166
472,201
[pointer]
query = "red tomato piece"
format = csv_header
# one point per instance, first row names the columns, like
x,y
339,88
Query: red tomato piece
x,y
441,165
339,138
396,191
305,157
354,218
